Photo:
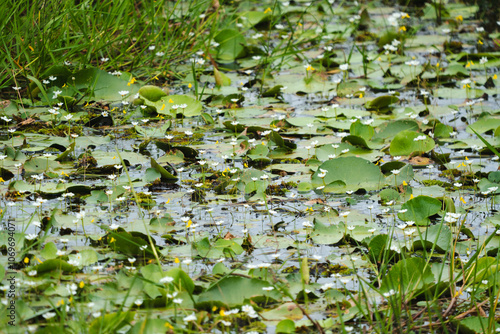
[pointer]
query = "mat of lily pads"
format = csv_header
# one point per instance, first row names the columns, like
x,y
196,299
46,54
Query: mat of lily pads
x,y
323,167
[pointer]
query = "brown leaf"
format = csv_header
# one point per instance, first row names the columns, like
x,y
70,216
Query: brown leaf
x,y
420,161
229,236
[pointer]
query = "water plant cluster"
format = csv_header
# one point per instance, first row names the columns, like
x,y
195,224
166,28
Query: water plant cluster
x,y
187,167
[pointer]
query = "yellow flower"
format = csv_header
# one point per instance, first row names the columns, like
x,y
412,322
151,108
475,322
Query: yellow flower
x,y
403,28
177,260
222,313
170,101
411,196
132,80
189,86
361,95
309,68
437,65
81,285
2,180
404,183
479,41
268,10
168,325
214,308
189,223
112,240
495,76
162,106
26,260
462,200
459,18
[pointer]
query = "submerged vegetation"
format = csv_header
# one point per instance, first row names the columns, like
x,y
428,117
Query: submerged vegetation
x,y
234,167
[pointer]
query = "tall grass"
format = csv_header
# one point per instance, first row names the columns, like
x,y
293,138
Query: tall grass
x,y
144,37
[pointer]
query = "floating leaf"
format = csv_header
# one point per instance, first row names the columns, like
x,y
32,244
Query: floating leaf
x,y
419,209
151,93
165,175
231,44
408,277
381,104
409,142
354,173
55,264
236,291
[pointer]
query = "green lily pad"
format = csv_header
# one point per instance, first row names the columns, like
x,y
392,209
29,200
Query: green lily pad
x,y
419,209
409,142
353,173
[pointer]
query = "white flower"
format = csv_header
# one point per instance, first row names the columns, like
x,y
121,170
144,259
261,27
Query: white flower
x,y
31,236
49,315
189,318
483,60
123,92
395,171
344,67
167,279
177,301
307,224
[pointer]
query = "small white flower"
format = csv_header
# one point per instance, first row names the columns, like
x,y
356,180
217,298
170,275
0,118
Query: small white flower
x,y
49,315
344,67
189,318
167,279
